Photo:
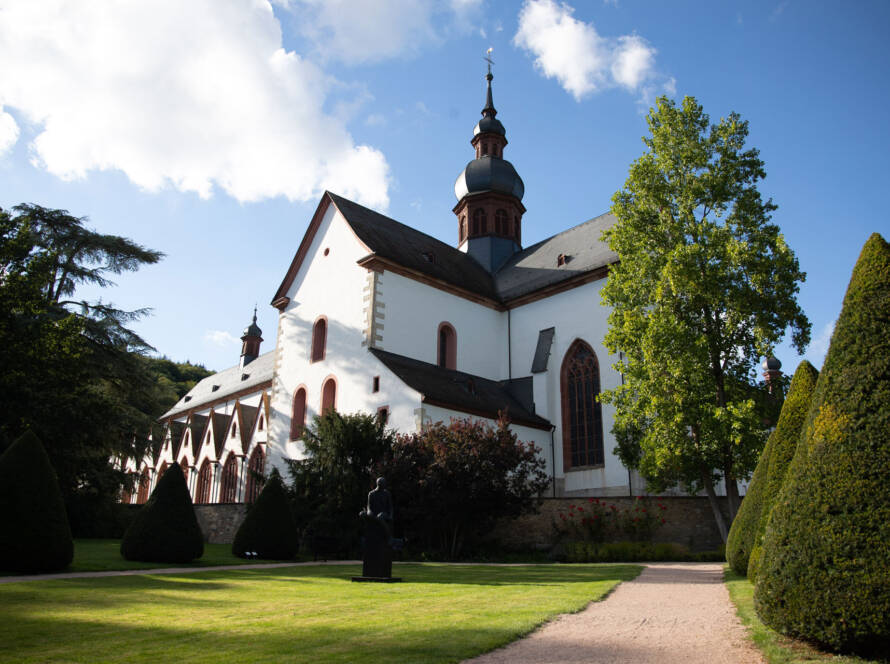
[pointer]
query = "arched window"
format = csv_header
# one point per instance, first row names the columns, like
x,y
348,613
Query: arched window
x,y
500,222
329,395
184,465
582,416
478,221
446,347
234,429
228,492
298,414
126,496
260,425
255,468
319,339
463,228
161,472
144,481
205,476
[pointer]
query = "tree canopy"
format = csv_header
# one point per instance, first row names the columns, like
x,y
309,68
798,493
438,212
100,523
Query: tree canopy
x,y
705,286
74,372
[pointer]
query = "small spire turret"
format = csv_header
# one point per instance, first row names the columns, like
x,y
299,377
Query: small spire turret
x,y
251,340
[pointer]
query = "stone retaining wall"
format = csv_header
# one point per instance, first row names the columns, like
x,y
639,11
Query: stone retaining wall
x,y
219,523
689,522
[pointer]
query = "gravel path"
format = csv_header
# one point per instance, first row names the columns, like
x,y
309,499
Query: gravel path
x,y
672,613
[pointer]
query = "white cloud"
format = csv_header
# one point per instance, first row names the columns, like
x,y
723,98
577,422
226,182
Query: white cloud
x,y
575,54
362,32
819,345
9,131
196,95
221,338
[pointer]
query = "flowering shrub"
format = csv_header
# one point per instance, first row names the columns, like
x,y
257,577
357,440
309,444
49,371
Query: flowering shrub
x,y
587,521
640,521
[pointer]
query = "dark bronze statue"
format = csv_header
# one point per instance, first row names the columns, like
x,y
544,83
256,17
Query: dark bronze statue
x,y
377,517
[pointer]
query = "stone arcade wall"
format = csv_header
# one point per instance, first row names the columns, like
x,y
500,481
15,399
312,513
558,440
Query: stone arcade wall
x,y
690,522
219,523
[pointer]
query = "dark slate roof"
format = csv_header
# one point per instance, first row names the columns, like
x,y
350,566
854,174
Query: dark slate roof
x,y
228,381
220,431
197,424
247,415
542,350
462,391
537,266
412,249
176,431
524,273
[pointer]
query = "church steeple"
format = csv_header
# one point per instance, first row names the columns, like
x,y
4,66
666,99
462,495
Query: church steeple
x,y
489,193
251,340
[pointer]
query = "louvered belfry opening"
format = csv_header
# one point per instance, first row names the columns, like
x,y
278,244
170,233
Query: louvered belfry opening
x,y
582,416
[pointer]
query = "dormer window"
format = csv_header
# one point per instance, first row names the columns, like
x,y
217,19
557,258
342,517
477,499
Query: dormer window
x,y
561,260
245,376
187,398
429,257
214,388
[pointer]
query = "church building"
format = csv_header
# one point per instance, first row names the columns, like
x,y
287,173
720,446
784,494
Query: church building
x,y
377,317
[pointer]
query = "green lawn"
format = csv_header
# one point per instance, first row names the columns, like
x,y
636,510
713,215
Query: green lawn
x,y
439,613
100,555
776,648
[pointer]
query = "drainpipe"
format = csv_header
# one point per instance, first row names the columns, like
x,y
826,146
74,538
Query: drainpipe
x,y
552,460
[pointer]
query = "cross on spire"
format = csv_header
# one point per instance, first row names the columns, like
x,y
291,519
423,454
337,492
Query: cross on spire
x,y
488,59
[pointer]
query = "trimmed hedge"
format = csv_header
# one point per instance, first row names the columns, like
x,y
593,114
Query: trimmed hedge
x,y
825,571
34,533
268,530
166,529
787,436
740,540
746,533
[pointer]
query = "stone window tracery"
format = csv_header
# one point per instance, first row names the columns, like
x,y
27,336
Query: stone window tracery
x,y
582,417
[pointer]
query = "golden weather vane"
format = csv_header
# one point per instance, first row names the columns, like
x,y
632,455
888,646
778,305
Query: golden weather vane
x,y
488,59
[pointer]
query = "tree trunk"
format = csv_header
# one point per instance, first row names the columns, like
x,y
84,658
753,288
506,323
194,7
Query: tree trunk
x,y
732,496
715,506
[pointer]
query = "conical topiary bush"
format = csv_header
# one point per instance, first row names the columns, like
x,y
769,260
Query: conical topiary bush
x,y
825,571
268,530
740,540
34,532
784,445
165,530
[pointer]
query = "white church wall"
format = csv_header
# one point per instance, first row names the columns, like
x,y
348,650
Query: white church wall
x,y
414,312
575,314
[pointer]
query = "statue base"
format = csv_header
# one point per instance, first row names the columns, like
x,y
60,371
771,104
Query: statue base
x,y
377,579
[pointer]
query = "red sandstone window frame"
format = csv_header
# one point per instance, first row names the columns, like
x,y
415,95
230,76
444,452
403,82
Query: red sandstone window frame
x,y
319,339
228,487
582,417
203,486
383,414
184,466
255,466
144,483
298,412
446,346
328,394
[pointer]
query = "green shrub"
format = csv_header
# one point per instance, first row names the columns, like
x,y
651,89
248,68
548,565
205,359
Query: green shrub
x,y
786,438
166,529
34,532
825,570
750,523
268,530
576,551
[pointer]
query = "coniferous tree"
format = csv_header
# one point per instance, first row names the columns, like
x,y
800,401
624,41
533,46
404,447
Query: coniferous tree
x,y
825,571
166,529
750,522
34,532
268,530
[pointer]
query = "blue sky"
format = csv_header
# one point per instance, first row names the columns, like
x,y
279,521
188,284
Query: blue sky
x,y
208,129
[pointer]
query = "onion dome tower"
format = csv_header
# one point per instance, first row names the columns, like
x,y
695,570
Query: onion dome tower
x,y
489,194
251,340
772,371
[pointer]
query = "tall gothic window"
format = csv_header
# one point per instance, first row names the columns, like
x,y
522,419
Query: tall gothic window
x,y
319,339
500,222
184,465
446,349
582,416
298,414
329,395
144,481
255,468
228,492
205,477
478,221
161,472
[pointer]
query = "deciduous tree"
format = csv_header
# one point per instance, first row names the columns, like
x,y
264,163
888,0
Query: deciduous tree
x,y
705,285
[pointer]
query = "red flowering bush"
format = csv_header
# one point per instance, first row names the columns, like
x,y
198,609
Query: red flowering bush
x,y
589,520
640,521
593,520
